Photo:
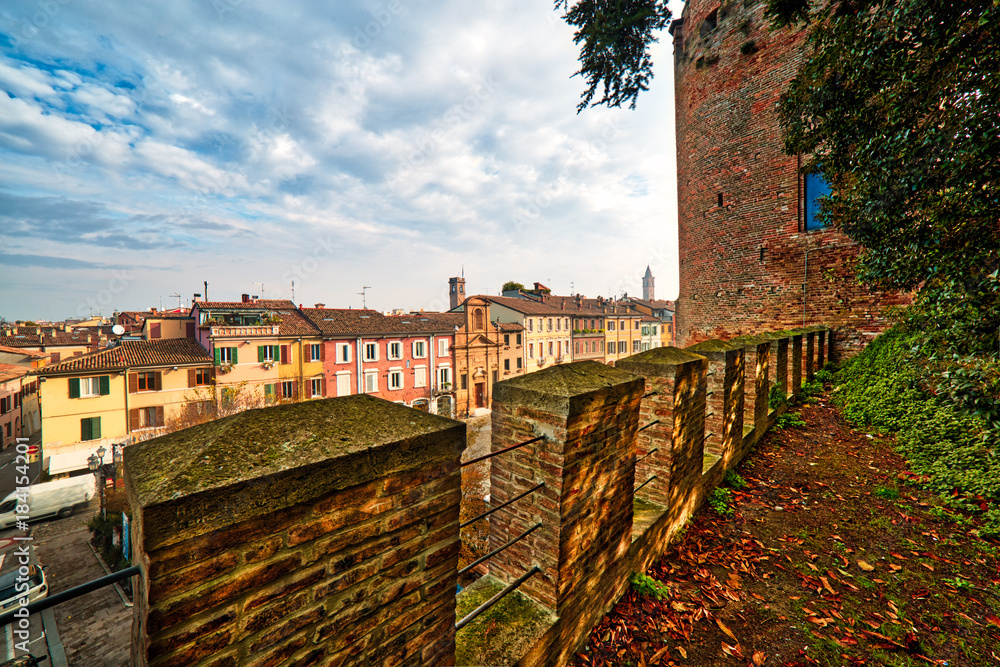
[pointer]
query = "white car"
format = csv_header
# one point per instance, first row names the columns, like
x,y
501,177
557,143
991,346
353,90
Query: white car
x,y
58,498
16,584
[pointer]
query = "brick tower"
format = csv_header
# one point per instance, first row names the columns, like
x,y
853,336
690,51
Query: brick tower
x,y
753,255
647,286
456,291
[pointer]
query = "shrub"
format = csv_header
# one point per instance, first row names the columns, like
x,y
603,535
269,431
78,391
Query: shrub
x,y
718,500
646,585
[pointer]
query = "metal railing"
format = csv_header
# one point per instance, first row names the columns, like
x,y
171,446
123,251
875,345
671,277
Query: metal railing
x,y
75,592
513,586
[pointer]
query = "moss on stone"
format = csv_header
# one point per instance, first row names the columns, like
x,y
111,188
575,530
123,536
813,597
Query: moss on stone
x,y
261,442
503,633
567,388
714,345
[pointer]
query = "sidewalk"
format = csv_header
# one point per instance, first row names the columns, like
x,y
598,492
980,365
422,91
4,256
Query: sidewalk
x,y
95,628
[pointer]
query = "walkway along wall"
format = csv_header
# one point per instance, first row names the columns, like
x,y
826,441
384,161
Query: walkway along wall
x,y
628,455
327,532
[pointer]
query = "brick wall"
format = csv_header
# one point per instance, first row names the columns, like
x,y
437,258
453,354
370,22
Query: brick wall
x,y
324,531
746,265
588,413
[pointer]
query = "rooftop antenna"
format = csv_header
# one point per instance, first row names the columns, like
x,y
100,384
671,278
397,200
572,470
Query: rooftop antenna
x,y
293,291
364,299
261,289
178,297
571,288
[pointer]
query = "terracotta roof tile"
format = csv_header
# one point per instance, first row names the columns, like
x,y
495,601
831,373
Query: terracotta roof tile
x,y
338,321
61,338
27,353
12,372
134,354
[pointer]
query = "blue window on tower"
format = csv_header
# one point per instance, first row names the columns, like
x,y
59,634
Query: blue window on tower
x,y
815,187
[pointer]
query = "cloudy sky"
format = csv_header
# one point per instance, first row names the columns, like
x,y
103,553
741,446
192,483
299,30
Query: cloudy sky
x,y
148,147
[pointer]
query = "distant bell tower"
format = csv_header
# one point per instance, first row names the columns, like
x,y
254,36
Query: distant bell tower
x,y
647,285
456,290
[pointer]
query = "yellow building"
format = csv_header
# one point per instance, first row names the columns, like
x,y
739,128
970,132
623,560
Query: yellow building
x,y
548,328
117,395
264,351
622,333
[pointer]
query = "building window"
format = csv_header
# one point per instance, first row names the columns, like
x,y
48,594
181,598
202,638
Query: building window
x,y
225,355
146,381
550,324
420,376
90,428
442,347
622,346
815,187
506,364
395,379
635,346
268,393
343,353
464,381
531,350
288,389
198,377
506,339
519,363
477,318
558,324
147,418
370,352
550,348
315,352
371,382
531,324
637,325
518,339
90,387
419,349
611,325
444,376
268,353
395,350
316,387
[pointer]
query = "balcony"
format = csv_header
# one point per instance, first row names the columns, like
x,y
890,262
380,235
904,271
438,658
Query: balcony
x,y
223,331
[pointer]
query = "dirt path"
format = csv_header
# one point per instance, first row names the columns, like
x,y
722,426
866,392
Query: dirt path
x,y
831,556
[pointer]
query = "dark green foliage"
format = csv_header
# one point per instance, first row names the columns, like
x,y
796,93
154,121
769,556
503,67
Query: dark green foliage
x,y
777,398
893,387
718,500
510,285
734,480
789,420
615,37
897,104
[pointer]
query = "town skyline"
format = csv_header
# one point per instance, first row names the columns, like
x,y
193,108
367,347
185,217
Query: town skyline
x,y
386,146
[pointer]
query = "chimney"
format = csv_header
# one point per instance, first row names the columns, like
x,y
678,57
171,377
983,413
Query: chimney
x,y
323,305
562,305
246,298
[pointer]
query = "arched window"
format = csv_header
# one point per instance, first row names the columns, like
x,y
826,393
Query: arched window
x,y
478,323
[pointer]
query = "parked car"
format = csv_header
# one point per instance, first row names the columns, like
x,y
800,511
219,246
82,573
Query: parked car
x,y
15,584
57,498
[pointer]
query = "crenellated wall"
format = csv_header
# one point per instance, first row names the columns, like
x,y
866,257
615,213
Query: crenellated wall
x,y
327,532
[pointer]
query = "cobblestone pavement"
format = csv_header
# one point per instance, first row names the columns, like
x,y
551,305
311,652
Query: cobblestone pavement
x,y
95,628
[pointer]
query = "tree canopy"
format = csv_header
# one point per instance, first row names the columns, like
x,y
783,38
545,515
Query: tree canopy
x,y
510,285
898,105
615,37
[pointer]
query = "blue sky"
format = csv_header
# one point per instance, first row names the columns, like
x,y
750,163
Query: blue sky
x,y
148,147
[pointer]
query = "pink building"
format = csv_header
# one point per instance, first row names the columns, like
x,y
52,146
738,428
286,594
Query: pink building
x,y
402,358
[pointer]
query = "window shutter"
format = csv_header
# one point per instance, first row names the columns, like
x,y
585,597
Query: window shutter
x,y
159,380
260,353
159,415
133,383
95,428
218,357
189,329
295,390
85,429
268,390
74,387
275,352
322,352
133,419
285,354
105,383
192,377
211,375
322,386
233,356
154,330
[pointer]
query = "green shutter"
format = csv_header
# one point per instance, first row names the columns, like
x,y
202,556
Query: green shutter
x,y
95,427
268,390
276,352
260,353
85,430
105,385
218,356
74,387
233,356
